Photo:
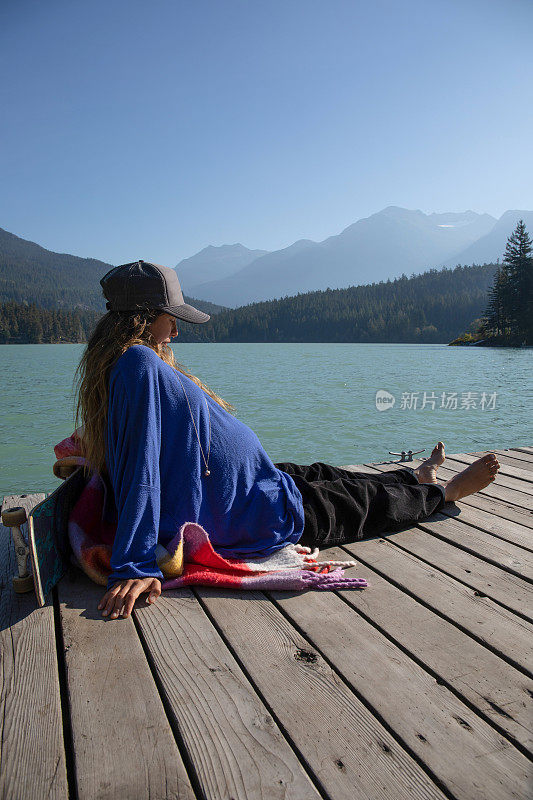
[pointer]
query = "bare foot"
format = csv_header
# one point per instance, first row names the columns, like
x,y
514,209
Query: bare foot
x,y
472,479
427,471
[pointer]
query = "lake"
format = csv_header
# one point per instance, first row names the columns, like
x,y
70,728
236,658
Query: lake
x,y
306,402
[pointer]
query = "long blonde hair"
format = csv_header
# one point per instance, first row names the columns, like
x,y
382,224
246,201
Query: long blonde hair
x,y
113,334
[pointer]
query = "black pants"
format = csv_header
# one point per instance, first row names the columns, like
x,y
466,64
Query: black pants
x,y
341,506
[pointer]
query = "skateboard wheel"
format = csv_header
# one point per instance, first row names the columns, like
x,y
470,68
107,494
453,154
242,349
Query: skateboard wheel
x,y
22,585
14,516
66,472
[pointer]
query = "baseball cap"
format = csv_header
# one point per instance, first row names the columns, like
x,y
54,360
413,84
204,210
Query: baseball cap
x,y
141,285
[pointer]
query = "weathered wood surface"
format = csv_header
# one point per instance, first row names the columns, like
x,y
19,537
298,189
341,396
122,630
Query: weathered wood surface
x,y
348,749
483,619
479,520
237,748
419,686
32,755
525,458
497,507
123,743
504,555
467,754
497,690
508,590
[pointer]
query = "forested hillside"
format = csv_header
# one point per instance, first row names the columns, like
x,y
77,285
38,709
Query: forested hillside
x,y
433,307
51,297
31,274
28,324
54,297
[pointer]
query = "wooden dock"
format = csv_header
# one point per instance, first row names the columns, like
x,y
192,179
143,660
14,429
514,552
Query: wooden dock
x,y
418,687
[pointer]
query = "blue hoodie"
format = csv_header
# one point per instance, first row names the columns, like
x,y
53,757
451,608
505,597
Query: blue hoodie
x,y
247,505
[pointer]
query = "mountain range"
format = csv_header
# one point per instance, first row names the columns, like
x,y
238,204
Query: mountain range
x,y
394,242
385,245
51,297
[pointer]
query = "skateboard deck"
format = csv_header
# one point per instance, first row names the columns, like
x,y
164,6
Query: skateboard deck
x,y
48,534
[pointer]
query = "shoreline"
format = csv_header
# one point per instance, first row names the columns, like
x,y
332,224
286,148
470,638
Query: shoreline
x,y
454,343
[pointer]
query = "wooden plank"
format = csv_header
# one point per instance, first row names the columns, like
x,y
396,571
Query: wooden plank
x,y
524,457
509,636
509,471
510,591
352,755
463,751
123,743
32,754
511,532
499,508
235,746
502,555
496,689
370,468
524,449
493,505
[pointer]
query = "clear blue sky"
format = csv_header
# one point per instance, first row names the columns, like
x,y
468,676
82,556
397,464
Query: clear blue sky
x,y
151,129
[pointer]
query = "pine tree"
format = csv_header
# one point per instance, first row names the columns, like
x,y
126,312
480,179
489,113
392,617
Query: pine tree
x,y
494,319
509,311
519,267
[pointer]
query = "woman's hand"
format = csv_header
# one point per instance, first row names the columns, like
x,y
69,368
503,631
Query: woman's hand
x,y
123,594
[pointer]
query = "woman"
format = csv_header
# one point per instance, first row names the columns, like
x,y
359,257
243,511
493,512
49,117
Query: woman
x,y
173,453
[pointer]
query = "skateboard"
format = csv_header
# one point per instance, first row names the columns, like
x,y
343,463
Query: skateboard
x,y
49,546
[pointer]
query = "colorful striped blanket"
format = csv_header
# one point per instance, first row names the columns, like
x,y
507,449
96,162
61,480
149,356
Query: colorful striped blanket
x,y
189,559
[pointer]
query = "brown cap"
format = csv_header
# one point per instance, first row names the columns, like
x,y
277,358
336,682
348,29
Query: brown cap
x,y
141,285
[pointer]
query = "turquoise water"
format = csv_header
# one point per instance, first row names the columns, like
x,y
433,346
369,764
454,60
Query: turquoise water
x,y
306,402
